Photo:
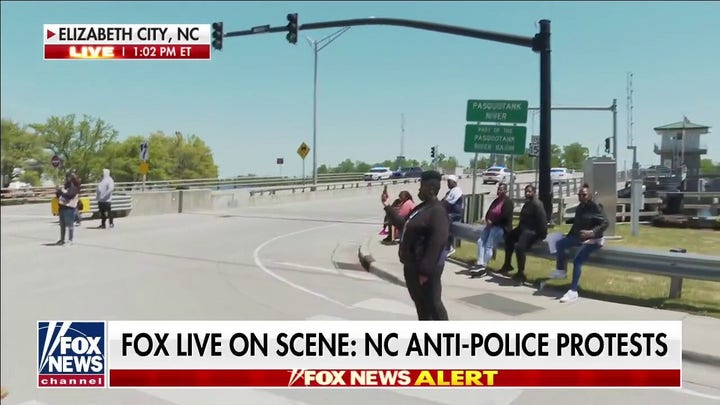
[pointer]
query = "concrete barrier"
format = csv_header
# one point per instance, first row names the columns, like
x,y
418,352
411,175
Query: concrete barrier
x,y
171,202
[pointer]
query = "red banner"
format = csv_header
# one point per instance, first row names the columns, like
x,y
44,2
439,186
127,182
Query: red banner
x,y
395,378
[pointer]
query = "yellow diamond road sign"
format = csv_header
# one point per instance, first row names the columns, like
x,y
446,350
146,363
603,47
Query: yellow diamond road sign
x,y
144,167
303,150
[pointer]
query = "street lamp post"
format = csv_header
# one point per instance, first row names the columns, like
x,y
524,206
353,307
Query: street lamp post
x,y
317,47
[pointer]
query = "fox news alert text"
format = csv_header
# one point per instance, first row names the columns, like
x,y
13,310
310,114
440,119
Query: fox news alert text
x,y
391,354
127,41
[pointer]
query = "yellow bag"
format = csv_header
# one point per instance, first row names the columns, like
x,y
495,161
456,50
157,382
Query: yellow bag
x,y
55,205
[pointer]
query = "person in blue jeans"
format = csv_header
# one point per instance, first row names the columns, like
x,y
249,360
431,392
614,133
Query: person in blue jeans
x,y
587,234
498,221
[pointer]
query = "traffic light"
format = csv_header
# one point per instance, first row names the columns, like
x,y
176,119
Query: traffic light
x,y
292,28
217,35
432,152
607,145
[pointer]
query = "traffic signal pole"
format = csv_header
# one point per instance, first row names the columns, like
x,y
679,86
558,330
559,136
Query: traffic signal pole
x,y
539,43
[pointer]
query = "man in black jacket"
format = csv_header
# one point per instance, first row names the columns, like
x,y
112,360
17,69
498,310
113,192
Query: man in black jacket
x,y
532,228
423,247
587,232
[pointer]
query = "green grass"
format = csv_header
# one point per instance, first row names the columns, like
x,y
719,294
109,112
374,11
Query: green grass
x,y
702,297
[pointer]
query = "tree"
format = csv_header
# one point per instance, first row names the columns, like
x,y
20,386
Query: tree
x,y
171,157
708,167
448,164
20,147
556,156
574,155
80,144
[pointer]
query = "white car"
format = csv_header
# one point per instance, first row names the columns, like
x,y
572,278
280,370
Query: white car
x,y
378,173
497,174
559,175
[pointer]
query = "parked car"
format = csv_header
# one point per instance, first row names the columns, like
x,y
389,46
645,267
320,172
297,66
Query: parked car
x,y
497,174
408,172
559,175
378,173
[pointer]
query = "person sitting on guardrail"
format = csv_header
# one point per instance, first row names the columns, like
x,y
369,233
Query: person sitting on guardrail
x,y
404,207
103,196
453,202
68,197
498,221
587,231
531,229
423,247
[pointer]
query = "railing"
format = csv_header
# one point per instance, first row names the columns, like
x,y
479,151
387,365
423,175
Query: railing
x,y
44,194
677,266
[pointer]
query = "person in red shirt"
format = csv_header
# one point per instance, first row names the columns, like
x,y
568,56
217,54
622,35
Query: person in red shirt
x,y
498,221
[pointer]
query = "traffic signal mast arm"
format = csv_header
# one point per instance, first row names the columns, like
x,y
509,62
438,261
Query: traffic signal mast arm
x,y
529,42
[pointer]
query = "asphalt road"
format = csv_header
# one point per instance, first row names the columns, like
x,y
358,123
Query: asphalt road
x,y
281,262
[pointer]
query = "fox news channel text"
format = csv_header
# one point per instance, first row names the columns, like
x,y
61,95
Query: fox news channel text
x,y
127,41
394,354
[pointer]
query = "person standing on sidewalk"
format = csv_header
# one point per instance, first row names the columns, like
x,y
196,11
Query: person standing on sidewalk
x,y
423,247
532,228
104,198
587,232
68,197
498,222
453,202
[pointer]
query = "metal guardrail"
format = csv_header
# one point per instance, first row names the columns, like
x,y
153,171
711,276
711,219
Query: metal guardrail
x,y
332,186
43,194
677,266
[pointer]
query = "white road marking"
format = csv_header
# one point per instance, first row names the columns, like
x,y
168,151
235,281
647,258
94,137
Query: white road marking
x,y
386,305
259,263
697,394
358,275
219,396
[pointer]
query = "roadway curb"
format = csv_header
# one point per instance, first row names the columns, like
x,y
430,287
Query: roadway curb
x,y
370,264
701,358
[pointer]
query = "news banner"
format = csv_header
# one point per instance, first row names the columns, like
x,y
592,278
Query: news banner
x,y
127,41
342,354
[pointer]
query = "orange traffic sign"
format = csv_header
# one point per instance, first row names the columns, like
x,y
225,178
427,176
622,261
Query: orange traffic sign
x,y
303,150
144,167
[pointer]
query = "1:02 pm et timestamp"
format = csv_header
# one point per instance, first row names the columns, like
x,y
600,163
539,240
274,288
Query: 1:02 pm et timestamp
x,y
158,51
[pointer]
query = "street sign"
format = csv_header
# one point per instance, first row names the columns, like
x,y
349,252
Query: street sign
x,y
280,161
502,139
507,111
144,151
534,149
303,150
144,167
56,161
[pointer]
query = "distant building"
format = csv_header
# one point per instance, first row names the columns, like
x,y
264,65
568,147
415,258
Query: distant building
x,y
680,146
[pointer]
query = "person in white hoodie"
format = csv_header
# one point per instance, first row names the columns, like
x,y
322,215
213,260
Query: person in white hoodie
x,y
104,198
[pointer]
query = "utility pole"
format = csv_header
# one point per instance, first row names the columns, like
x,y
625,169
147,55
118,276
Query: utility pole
x,y
317,47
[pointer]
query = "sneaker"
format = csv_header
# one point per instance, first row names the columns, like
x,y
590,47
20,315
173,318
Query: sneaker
x,y
112,226
569,296
60,243
477,269
558,274
383,232
451,252
69,243
519,278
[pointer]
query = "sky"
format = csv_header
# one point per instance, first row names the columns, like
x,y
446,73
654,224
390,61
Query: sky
x,y
253,102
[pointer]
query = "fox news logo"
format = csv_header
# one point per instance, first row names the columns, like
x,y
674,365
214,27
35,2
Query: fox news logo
x,y
71,354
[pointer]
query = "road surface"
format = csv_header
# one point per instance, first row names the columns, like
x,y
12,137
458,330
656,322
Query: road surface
x,y
281,262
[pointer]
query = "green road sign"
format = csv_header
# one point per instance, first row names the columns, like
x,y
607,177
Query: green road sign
x,y
508,111
502,139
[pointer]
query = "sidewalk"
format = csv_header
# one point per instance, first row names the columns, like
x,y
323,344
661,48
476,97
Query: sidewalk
x,y
496,297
